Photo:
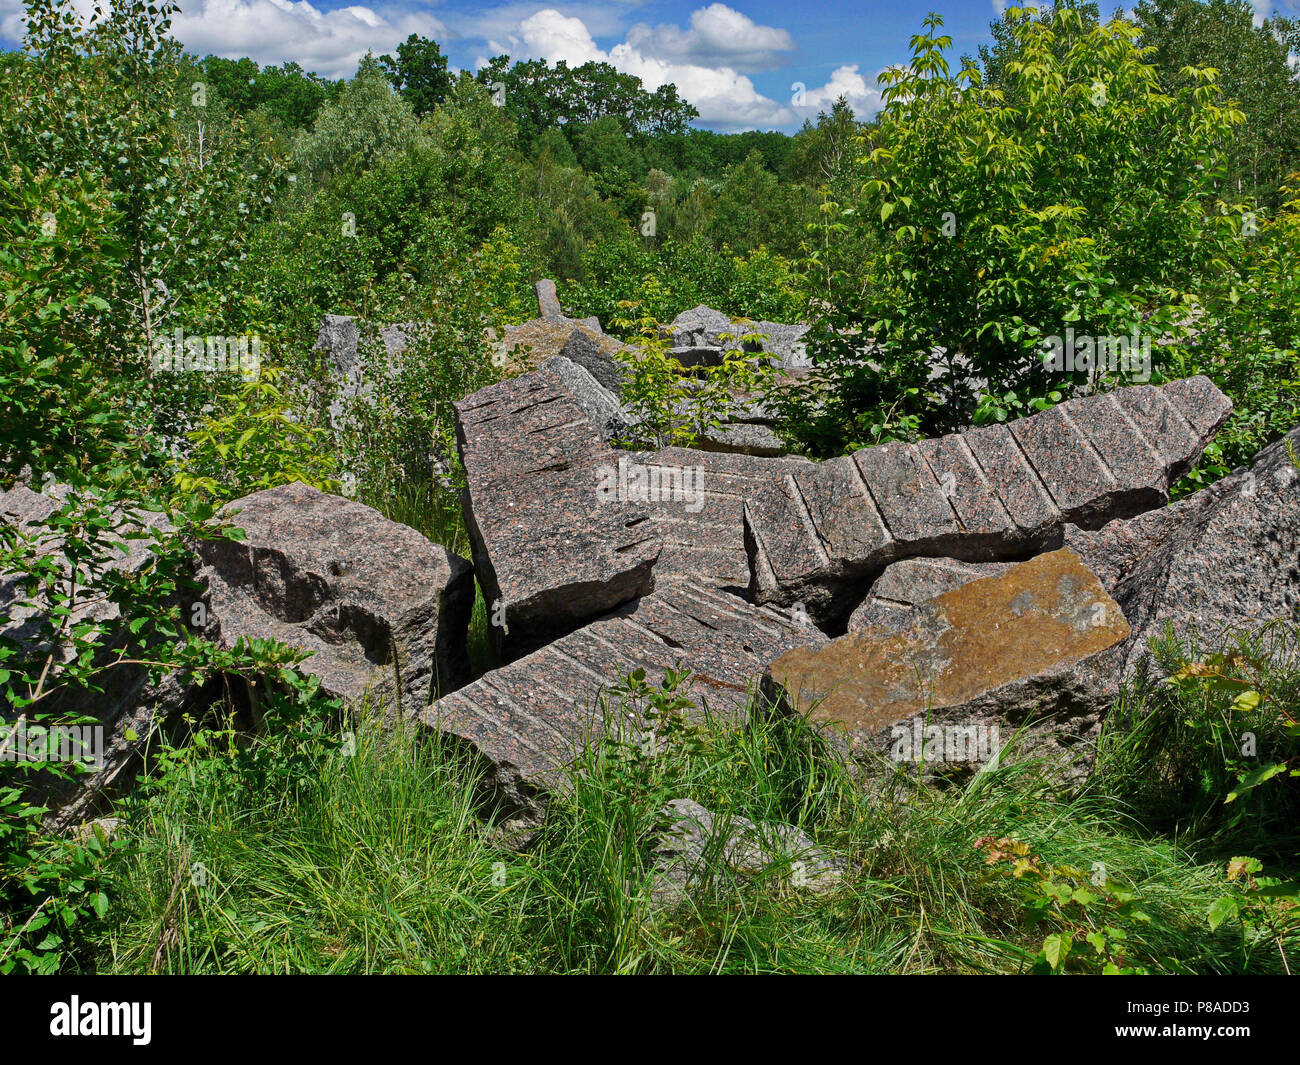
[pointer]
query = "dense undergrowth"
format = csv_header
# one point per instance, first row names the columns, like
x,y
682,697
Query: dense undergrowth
x,y
368,855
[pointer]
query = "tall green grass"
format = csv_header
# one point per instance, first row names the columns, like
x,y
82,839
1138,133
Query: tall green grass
x,y
380,861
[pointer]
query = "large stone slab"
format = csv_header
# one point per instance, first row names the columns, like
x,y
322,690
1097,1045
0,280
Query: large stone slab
x,y
998,492
1033,648
702,527
380,607
553,548
548,303
1221,561
531,718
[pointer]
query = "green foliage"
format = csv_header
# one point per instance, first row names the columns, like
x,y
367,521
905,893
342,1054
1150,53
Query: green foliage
x,y
539,96
1267,909
373,860
1006,215
71,594
1254,70
57,255
366,122
419,73
676,406
1210,751
287,94
256,439
1093,912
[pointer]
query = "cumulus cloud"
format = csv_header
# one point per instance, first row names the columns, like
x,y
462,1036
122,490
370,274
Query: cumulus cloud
x,y
270,31
709,62
718,36
863,96
331,43
710,59
551,36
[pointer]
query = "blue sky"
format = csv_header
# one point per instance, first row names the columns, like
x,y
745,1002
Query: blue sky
x,y
736,61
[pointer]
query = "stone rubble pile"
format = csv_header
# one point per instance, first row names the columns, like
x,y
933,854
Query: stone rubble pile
x,y
909,599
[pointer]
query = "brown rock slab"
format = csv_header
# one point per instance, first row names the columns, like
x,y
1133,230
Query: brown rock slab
x,y
1033,647
913,581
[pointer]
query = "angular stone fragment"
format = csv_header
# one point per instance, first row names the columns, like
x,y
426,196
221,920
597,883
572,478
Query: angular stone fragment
x,y
548,303
696,500
1141,480
700,850
529,719
783,342
603,410
810,531
584,349
909,498
996,492
1164,428
1223,561
1202,405
380,607
1022,493
526,346
1033,647
700,327
554,545
1081,485
741,438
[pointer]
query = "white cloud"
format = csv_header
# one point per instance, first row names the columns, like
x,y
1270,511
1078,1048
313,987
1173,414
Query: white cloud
x,y
863,96
331,43
708,63
718,36
709,60
551,36
725,98
269,31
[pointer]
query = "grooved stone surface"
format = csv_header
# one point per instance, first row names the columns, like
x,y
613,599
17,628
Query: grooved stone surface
x,y
529,719
547,547
702,529
1222,561
990,493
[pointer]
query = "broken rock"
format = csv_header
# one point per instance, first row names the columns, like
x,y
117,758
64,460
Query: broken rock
x,y
1034,647
1222,561
699,848
530,719
995,492
550,550
380,607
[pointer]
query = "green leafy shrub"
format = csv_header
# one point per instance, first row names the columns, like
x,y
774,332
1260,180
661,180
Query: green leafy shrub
x,y
1071,196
